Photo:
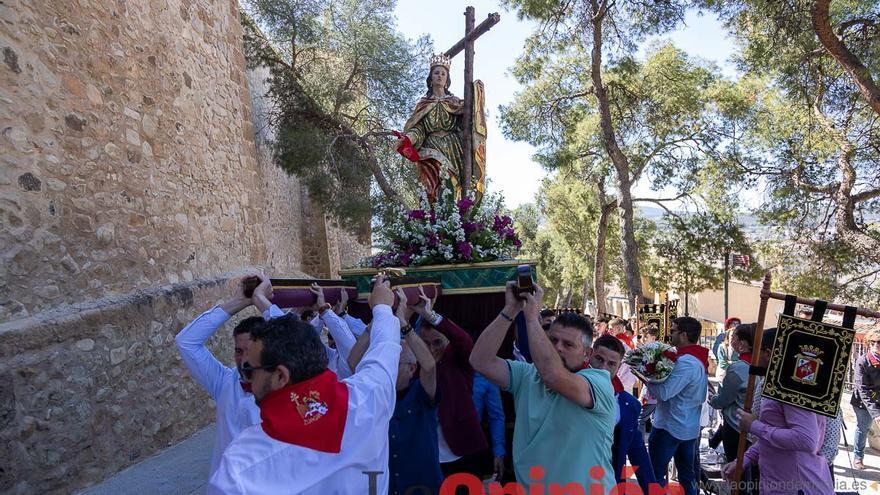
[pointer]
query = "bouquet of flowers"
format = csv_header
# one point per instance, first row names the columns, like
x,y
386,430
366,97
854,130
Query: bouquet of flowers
x,y
652,363
450,232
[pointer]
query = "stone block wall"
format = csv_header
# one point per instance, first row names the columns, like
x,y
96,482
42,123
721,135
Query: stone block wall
x,y
136,182
88,392
128,151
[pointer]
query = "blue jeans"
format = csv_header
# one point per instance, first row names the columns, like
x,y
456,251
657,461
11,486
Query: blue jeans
x,y
863,426
663,447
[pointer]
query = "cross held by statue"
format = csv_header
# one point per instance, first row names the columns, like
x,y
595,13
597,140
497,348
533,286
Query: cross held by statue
x,y
467,44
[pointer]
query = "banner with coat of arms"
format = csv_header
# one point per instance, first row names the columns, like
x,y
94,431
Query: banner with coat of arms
x,y
654,314
808,364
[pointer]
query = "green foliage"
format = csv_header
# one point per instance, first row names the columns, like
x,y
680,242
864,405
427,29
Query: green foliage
x,y
341,77
687,252
559,230
807,136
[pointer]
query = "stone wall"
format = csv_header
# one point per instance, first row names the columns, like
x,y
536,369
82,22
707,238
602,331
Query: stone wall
x,y
86,393
128,152
136,181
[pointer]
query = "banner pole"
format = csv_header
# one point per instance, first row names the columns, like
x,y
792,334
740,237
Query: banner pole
x,y
750,389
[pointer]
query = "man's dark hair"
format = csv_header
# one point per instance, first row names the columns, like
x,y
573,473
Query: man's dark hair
x,y
547,312
768,338
308,315
247,325
575,320
601,319
291,342
690,326
610,342
746,332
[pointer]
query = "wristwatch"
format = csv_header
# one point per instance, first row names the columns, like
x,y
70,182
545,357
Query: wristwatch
x,y
405,330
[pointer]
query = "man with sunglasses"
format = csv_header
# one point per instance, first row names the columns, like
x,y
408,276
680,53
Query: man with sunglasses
x,y
236,409
319,435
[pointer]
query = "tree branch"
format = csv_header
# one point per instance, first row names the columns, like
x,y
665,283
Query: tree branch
x,y
850,63
866,195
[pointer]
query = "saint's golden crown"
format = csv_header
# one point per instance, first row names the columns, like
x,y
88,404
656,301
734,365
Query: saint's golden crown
x,y
440,59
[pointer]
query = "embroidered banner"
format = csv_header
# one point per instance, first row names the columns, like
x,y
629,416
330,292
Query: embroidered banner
x,y
808,364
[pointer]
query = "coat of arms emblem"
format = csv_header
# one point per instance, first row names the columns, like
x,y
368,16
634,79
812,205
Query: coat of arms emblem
x,y
310,407
807,365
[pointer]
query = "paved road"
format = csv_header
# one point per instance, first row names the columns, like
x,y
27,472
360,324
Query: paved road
x,y
181,469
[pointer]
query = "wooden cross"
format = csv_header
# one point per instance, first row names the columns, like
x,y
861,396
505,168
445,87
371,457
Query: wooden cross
x,y
467,44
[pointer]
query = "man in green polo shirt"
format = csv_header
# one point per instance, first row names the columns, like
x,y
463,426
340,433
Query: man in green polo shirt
x,y
565,414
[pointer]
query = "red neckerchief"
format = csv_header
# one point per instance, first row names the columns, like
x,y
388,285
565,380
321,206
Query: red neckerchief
x,y
873,359
310,413
623,337
246,386
615,381
746,356
697,351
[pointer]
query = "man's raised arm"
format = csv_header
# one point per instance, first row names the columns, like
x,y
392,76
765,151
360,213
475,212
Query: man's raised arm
x,y
550,366
484,356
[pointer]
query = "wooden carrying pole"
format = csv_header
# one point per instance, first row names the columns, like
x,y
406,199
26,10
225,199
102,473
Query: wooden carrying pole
x,y
766,295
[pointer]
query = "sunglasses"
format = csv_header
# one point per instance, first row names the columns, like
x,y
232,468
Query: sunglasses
x,y
248,371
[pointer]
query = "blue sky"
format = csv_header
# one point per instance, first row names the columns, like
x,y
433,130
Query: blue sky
x,y
511,170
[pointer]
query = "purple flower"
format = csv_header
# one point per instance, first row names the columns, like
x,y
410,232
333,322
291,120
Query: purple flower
x,y
405,259
501,223
433,240
469,227
465,249
517,243
464,205
417,215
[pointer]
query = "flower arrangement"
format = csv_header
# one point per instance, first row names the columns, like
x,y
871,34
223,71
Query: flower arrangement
x,y
450,232
652,363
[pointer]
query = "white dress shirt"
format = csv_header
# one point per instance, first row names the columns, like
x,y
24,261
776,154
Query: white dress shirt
x,y
255,463
625,374
236,409
337,359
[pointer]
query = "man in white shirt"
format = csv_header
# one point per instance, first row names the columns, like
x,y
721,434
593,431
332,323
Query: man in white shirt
x,y
319,435
340,329
236,409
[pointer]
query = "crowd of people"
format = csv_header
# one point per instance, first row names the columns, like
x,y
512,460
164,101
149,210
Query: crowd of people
x,y
319,402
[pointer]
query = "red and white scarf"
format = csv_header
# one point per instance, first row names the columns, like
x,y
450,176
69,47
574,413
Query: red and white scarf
x,y
311,413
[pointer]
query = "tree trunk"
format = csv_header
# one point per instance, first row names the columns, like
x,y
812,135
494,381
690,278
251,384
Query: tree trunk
x,y
850,63
605,210
842,193
629,247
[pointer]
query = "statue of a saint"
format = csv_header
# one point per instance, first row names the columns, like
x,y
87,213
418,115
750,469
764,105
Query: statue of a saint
x,y
432,137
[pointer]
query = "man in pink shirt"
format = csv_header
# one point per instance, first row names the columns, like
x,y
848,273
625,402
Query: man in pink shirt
x,y
787,446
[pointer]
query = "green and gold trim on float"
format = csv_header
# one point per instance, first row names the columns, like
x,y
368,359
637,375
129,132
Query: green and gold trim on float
x,y
464,278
